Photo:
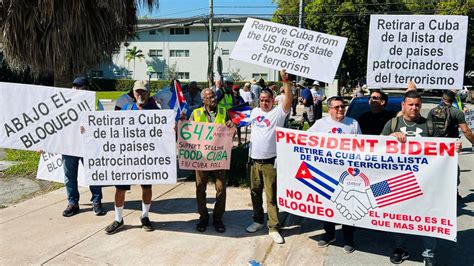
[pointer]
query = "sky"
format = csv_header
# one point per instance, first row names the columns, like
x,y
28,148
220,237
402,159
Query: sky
x,y
190,8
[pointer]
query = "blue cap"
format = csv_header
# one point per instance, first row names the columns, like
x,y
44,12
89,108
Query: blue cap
x,y
80,81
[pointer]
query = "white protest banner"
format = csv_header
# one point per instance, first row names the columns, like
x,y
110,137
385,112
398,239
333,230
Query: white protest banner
x,y
42,118
368,181
50,168
427,49
130,147
301,52
204,146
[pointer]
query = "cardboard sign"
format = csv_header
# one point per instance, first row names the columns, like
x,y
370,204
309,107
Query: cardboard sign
x,y
204,146
368,181
301,52
429,50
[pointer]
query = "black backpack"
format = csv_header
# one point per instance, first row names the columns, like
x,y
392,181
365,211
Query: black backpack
x,y
440,117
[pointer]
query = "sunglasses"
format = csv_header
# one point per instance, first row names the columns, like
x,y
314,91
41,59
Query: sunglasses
x,y
338,107
375,98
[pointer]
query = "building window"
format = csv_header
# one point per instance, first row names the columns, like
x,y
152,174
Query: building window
x,y
179,31
97,73
225,52
155,53
182,75
179,53
158,75
152,32
259,76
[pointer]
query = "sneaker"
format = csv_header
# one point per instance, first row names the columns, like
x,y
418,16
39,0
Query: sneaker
x,y
71,210
326,241
146,224
219,226
98,210
254,227
277,238
113,227
429,261
399,255
349,248
201,226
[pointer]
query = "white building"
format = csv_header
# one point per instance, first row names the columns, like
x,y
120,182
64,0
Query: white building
x,y
182,44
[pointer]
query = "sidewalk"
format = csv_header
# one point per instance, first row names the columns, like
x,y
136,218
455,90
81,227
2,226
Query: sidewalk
x,y
34,232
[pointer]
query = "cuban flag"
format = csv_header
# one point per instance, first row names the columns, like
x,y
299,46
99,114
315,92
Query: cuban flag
x,y
240,114
178,101
396,189
315,179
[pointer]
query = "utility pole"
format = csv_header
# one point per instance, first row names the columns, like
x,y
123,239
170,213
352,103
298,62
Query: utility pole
x,y
300,20
210,67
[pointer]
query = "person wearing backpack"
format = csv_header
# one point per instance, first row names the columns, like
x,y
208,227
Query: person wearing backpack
x,y
447,120
412,124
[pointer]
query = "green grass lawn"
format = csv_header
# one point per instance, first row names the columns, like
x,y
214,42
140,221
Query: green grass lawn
x,y
109,94
27,162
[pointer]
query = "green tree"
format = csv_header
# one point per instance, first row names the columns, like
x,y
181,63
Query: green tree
x,y
352,19
67,38
133,54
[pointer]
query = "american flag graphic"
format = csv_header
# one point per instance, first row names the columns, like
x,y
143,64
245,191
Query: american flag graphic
x,y
396,189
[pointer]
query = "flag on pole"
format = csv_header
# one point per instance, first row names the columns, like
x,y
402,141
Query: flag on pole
x,y
240,114
178,101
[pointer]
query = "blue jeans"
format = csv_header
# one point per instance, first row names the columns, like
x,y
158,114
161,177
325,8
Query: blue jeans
x,y
70,166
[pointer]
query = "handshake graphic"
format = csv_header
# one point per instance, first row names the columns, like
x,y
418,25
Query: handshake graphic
x,y
353,204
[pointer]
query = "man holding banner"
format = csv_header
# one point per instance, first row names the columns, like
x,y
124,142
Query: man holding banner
x,y
337,123
71,166
262,152
141,91
211,113
412,124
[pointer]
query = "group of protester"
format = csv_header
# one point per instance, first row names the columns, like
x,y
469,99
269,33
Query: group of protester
x,y
210,106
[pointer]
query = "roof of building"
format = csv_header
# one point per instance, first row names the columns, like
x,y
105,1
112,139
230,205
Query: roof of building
x,y
158,23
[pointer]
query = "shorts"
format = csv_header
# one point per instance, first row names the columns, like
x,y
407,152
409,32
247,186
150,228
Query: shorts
x,y
127,187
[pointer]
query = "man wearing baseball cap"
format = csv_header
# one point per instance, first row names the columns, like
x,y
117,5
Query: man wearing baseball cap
x,y
141,91
71,166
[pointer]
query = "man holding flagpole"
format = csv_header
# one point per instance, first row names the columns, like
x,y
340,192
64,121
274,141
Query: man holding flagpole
x,y
262,152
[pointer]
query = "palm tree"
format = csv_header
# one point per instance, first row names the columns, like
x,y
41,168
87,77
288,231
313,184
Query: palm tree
x,y
65,37
132,54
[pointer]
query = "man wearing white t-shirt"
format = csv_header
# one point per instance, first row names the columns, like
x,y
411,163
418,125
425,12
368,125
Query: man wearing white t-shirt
x,y
337,123
264,121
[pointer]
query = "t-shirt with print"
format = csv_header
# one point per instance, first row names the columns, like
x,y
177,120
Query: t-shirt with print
x,y
263,136
411,129
328,125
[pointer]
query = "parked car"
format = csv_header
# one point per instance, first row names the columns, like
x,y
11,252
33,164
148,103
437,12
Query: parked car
x,y
360,105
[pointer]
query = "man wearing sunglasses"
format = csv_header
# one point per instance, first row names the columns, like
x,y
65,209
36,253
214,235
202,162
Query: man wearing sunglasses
x,y
337,123
373,121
